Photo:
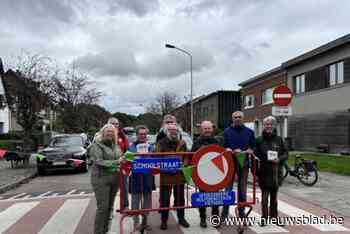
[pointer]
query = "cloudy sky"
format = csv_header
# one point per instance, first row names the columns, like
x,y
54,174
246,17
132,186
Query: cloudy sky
x,y
121,42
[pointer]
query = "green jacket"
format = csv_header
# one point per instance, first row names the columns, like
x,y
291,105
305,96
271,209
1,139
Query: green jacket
x,y
104,158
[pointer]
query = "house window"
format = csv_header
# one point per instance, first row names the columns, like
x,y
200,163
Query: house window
x,y
299,84
1,127
336,73
249,101
266,97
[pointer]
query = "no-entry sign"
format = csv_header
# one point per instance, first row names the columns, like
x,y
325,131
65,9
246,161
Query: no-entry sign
x,y
282,96
213,168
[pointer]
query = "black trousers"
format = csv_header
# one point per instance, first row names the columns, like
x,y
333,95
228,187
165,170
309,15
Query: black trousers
x,y
179,199
265,209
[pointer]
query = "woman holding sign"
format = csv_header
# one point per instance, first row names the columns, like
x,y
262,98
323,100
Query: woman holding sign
x,y
272,153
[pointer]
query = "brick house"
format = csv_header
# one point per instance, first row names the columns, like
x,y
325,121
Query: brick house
x,y
257,98
216,107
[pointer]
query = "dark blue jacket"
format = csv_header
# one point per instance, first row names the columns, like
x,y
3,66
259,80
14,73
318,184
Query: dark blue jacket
x,y
239,137
141,183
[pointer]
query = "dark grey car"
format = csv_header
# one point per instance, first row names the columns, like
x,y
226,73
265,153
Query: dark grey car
x,y
64,152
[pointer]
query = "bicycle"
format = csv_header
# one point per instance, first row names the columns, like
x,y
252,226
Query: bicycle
x,y
304,170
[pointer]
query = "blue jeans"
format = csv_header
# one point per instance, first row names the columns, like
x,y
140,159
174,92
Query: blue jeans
x,y
242,186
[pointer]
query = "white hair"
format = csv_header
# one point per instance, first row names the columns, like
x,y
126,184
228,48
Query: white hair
x,y
239,112
207,122
112,119
271,119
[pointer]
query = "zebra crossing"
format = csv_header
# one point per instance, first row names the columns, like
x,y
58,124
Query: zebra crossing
x,y
48,194
74,214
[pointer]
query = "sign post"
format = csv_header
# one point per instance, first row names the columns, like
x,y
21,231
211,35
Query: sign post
x,y
282,97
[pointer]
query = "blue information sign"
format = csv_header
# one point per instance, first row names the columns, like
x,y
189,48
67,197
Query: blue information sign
x,y
213,198
167,165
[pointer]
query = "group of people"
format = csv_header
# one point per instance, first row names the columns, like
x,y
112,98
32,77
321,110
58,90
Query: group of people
x,y
108,147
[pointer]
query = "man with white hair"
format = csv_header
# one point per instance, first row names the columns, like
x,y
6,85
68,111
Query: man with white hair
x,y
271,151
172,182
239,139
206,138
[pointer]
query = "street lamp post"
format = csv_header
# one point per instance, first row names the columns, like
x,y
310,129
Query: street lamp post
x,y
191,92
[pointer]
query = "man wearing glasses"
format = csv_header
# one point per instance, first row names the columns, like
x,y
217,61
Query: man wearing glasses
x,y
238,138
168,119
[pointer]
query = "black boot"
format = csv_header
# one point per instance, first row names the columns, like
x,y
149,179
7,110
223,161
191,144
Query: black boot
x,y
184,223
203,223
164,225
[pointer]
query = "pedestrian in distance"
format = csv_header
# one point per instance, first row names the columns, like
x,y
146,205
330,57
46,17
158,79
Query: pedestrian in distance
x,y
206,138
272,153
141,184
239,139
106,157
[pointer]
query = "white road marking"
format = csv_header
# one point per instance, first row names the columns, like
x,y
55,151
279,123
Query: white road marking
x,y
295,212
266,229
128,224
67,217
71,192
192,217
44,194
14,213
16,196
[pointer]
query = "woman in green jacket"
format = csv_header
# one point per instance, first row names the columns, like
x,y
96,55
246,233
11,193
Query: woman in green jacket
x,y
106,157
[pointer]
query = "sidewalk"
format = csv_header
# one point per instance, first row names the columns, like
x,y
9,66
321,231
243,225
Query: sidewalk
x,y
12,177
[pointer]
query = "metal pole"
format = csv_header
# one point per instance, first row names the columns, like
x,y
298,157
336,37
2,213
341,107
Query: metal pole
x,y
192,129
191,99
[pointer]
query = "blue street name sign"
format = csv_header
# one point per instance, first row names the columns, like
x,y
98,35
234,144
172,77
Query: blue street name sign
x,y
166,165
214,198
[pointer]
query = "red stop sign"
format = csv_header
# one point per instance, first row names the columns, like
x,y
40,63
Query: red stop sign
x,y
282,96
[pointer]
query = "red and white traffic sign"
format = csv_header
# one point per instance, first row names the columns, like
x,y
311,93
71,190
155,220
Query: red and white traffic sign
x,y
282,96
213,168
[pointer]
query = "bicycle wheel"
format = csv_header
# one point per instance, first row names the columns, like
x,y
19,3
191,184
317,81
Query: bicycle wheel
x,y
305,176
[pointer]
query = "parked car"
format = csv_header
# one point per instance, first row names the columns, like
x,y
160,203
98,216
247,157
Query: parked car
x,y
66,151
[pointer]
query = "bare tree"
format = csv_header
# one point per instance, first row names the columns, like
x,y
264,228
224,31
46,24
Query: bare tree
x,y
164,103
26,95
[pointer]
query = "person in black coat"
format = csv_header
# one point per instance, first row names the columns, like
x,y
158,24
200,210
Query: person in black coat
x,y
271,151
206,138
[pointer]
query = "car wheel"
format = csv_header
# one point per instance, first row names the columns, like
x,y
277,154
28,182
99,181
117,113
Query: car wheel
x,y
84,167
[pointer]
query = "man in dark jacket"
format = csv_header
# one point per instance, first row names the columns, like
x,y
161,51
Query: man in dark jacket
x,y
238,138
272,153
206,138
176,181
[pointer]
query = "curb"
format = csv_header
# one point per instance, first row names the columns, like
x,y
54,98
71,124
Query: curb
x,y
15,184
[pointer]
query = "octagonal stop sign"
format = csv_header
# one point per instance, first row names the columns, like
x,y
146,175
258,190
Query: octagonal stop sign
x,y
282,96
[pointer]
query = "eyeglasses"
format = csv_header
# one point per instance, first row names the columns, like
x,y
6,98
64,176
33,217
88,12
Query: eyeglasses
x,y
237,117
116,124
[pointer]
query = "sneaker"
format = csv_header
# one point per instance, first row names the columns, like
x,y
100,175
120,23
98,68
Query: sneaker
x,y
164,225
184,223
203,223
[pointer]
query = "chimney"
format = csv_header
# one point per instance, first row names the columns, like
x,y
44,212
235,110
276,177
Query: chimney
x,y
1,68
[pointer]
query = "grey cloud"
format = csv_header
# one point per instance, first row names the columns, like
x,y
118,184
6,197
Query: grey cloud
x,y
120,63
138,7
123,63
